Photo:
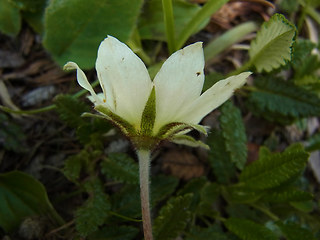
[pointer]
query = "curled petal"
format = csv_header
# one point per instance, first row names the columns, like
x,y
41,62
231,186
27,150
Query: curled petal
x,y
82,80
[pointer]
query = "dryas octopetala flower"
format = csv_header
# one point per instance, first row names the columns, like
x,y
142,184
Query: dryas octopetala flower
x,y
166,108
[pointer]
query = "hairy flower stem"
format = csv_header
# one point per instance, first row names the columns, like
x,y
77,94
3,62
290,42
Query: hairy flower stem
x,y
144,166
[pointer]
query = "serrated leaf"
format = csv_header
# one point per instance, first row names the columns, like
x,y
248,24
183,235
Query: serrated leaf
x,y
293,231
95,210
70,110
219,159
23,196
194,186
285,195
272,46
233,131
272,170
208,196
115,233
126,202
279,100
248,230
120,167
162,187
74,164
308,66
173,218
10,19
77,38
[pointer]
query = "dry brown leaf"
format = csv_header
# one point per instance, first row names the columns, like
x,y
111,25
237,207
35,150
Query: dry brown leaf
x,y
182,164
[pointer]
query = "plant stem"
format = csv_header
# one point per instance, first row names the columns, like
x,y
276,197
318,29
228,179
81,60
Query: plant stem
x,y
169,23
198,20
144,166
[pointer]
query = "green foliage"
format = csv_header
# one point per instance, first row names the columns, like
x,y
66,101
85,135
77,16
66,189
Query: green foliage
x,y
23,196
11,135
313,143
248,230
115,233
78,36
272,46
162,187
95,210
175,211
282,101
29,5
120,167
197,233
287,194
274,169
10,19
70,110
74,165
151,21
293,231
219,158
126,201
234,134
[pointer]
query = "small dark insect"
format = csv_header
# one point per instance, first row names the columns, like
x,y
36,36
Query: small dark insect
x,y
198,73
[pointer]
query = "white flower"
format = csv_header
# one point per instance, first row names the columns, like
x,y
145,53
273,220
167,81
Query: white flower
x,y
165,108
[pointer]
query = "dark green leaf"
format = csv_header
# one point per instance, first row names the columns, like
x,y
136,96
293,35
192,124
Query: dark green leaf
x,y
287,194
11,135
126,202
120,167
70,110
74,164
213,232
272,170
95,210
293,231
115,233
238,194
219,159
195,187
173,218
276,99
10,20
21,196
162,187
29,5
78,36
233,131
243,211
249,230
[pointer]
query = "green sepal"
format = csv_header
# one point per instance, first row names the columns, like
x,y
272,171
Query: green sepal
x,y
174,128
149,115
124,125
189,141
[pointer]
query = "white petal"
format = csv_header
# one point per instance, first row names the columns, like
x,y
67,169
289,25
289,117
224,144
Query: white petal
x,y
82,80
179,82
124,79
212,98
